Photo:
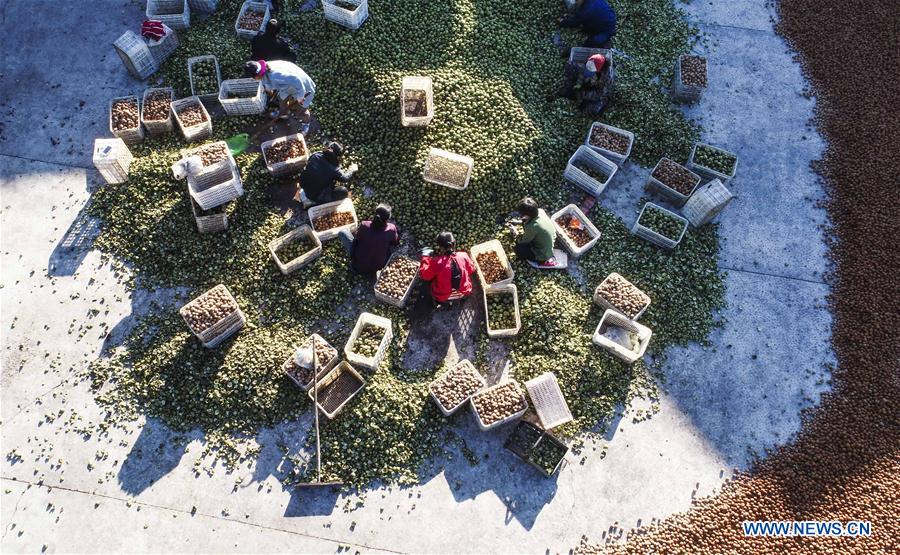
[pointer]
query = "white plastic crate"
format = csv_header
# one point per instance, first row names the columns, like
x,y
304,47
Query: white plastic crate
x,y
417,83
659,188
548,400
322,369
369,319
612,155
710,173
580,54
205,59
589,157
515,416
706,203
495,246
657,238
194,132
246,106
435,153
213,174
463,365
511,290
174,13
133,135
288,266
112,159
327,379
294,165
611,317
349,18
157,127
601,301
208,223
136,55
163,48
681,91
259,7
208,6
567,241
401,302
221,187
223,329
345,205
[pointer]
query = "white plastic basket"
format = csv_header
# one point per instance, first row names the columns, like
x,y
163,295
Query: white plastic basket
x,y
222,186
706,203
612,317
661,189
463,365
351,19
495,246
163,48
710,173
158,127
417,83
612,155
548,400
112,159
174,13
206,58
288,266
136,55
259,7
401,302
580,54
322,369
433,155
294,165
515,416
509,289
208,223
588,156
681,91
369,319
133,135
567,241
246,106
657,238
194,132
601,301
345,205
223,329
208,6
213,174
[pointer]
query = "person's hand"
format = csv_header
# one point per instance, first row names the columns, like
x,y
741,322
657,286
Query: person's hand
x,y
354,167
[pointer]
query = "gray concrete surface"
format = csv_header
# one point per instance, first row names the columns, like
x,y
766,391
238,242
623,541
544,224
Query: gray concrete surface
x,y
135,490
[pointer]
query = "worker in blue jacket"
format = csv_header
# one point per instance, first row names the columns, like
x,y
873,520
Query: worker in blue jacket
x,y
596,18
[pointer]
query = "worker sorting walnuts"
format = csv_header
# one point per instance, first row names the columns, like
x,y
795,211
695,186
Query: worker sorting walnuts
x,y
449,271
371,244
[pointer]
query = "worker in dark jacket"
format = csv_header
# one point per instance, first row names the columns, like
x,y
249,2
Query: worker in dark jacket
x,y
319,180
267,45
371,243
596,18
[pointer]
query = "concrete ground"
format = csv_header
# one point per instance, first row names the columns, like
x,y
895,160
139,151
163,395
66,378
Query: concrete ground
x,y
135,490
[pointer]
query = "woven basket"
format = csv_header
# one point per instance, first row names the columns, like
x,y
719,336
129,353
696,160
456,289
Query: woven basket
x,y
131,136
256,7
509,289
195,132
246,106
401,302
206,58
706,203
612,317
223,329
659,188
287,167
656,238
208,6
548,400
136,55
588,156
466,366
372,362
567,241
601,301
174,13
615,157
165,47
322,369
710,173
351,19
345,205
222,186
112,159
686,93
417,83
515,416
328,379
158,127
438,153
208,223
495,246
288,266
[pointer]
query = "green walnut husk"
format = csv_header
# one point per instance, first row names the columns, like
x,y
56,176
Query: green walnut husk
x,y
205,79
715,159
661,222
501,311
547,454
368,341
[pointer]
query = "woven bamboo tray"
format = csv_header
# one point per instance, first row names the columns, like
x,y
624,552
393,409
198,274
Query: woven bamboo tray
x,y
548,400
112,159
611,317
710,173
435,153
526,437
195,132
508,289
615,157
248,34
495,246
588,156
331,402
345,205
659,188
289,363
306,258
367,318
223,186
214,335
158,127
208,223
601,301
206,58
351,19
515,416
656,238
165,47
687,93
567,241
706,203
131,136
287,167
136,55
401,302
247,106
174,13
417,83
466,366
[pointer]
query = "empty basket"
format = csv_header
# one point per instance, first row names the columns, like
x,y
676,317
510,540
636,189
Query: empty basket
x,y
436,157
174,13
251,102
548,400
613,318
706,203
136,55
112,159
222,186
336,388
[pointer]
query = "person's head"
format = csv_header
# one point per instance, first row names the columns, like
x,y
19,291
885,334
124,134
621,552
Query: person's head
x,y
256,70
273,27
381,217
595,63
527,208
446,242
334,152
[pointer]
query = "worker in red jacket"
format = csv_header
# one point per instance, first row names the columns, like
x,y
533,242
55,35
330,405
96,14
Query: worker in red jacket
x,y
449,271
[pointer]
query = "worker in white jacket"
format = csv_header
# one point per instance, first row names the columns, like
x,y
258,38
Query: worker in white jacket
x,y
294,89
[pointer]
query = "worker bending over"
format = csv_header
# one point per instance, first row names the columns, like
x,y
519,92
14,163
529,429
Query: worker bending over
x,y
535,243
286,83
267,45
319,179
596,18
449,271
370,244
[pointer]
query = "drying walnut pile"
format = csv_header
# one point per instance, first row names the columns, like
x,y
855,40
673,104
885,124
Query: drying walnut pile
x,y
209,308
499,402
125,114
575,229
693,71
395,278
415,103
212,153
368,341
332,220
606,139
457,385
191,115
623,295
491,267
284,151
715,159
675,176
157,106
325,353
444,170
251,20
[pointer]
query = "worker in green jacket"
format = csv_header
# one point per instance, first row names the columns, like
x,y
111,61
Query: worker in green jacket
x,y
535,243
